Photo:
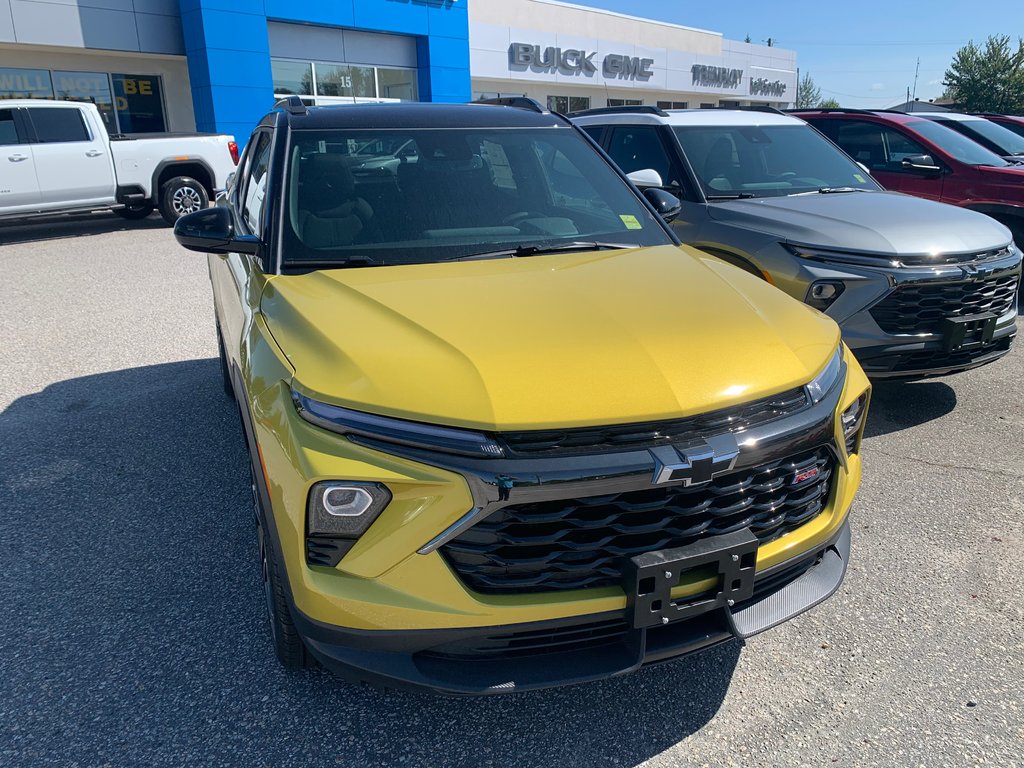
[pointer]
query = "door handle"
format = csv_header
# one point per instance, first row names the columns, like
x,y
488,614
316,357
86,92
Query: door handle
x,y
93,153
17,158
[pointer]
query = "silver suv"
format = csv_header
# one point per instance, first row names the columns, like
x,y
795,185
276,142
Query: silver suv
x,y
920,288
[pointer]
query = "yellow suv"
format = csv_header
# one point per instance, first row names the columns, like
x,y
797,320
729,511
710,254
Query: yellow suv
x,y
506,433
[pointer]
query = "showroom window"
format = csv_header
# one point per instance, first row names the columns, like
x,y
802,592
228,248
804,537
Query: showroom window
x,y
673,105
127,103
331,83
625,102
567,104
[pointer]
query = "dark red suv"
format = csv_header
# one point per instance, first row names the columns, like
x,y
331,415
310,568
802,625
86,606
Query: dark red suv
x,y
923,158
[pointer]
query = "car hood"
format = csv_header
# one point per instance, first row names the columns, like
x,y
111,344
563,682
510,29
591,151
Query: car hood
x,y
886,223
547,341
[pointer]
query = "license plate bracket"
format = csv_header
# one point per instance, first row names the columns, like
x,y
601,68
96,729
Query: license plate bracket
x,y
649,578
968,332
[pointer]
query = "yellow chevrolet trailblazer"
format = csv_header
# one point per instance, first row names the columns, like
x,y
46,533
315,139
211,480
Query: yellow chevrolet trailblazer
x,y
505,431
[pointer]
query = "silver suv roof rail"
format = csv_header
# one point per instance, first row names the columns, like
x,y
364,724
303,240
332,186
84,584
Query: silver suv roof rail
x,y
643,109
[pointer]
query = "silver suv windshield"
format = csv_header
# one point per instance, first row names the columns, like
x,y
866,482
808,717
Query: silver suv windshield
x,y
385,197
767,161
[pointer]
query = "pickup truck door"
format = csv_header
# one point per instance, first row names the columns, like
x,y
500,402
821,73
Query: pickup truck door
x,y
72,157
19,189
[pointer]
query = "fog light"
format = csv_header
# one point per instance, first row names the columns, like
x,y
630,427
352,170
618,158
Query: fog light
x,y
345,509
853,419
821,294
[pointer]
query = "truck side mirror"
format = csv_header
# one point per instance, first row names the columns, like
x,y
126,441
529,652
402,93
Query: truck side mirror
x,y
212,230
645,177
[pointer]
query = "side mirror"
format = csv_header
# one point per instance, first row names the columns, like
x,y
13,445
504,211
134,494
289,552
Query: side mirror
x,y
667,205
211,230
923,163
646,177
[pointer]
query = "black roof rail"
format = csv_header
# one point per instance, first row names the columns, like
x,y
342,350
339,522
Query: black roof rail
x,y
521,102
643,109
835,109
293,105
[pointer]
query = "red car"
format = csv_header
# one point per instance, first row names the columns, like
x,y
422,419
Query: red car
x,y
918,156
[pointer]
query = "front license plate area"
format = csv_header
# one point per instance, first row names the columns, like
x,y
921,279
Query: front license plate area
x,y
968,332
649,578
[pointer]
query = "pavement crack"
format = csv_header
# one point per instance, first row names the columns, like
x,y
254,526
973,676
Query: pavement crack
x,y
944,465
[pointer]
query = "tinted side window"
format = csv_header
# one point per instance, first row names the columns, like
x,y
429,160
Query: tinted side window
x,y
256,185
879,147
639,147
8,130
57,125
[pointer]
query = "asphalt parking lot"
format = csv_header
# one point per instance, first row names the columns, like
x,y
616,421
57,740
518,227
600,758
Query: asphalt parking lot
x,y
134,629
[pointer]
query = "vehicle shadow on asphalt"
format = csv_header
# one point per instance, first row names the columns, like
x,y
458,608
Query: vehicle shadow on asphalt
x,y
136,632
73,225
900,405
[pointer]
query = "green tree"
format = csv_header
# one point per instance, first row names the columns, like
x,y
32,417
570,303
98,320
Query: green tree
x,y
828,104
807,93
989,78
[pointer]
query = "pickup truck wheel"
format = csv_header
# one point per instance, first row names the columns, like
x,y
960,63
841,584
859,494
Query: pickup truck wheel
x,y
288,646
182,195
135,212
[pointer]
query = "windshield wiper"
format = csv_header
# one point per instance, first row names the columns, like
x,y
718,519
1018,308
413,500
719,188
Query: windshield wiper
x,y
737,196
828,191
534,250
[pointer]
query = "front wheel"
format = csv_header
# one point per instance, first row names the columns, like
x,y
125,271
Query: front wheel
x,y
135,212
182,195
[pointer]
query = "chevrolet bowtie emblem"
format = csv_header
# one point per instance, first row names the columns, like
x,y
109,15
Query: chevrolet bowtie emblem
x,y
695,464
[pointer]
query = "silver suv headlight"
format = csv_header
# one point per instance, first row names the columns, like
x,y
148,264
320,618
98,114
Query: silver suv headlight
x,y
822,384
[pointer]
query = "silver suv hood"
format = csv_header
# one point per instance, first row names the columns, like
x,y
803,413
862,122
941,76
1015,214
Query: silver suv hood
x,y
885,223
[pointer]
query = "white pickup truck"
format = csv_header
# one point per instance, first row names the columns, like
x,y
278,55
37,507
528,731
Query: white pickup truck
x,y
56,157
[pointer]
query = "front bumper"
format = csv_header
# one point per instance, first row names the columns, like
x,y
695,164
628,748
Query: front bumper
x,y
912,354
522,657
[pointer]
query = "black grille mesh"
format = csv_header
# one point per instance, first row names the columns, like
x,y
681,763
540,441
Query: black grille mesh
x,y
582,543
618,437
912,309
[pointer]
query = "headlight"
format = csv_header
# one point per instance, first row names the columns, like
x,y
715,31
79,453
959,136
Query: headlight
x,y
822,383
464,442
840,257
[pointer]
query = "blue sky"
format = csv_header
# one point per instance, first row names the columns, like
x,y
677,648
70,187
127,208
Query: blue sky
x,y
862,53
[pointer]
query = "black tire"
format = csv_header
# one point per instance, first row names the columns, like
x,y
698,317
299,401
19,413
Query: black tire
x,y
225,372
288,645
135,212
182,195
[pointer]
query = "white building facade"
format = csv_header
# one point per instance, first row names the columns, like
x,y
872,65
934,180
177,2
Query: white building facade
x,y
572,57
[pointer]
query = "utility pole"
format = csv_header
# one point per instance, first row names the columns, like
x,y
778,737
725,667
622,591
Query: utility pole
x,y
917,71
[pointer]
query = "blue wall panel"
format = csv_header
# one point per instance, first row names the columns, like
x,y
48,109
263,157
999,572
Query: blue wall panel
x,y
229,52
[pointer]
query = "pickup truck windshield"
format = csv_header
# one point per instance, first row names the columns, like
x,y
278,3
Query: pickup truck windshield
x,y
957,145
767,161
383,197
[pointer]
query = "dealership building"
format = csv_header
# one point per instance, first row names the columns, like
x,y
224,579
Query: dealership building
x,y
219,65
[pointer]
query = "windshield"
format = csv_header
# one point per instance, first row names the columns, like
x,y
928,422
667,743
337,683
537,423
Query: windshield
x,y
956,144
767,161
1008,142
384,197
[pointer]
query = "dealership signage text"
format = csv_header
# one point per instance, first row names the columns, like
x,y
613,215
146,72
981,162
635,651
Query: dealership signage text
x,y
716,77
576,61
760,86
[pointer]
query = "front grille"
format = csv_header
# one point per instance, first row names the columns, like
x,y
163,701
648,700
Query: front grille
x,y
936,359
914,309
512,645
582,543
620,437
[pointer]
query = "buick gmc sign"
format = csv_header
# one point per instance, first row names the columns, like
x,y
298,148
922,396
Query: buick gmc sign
x,y
576,61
